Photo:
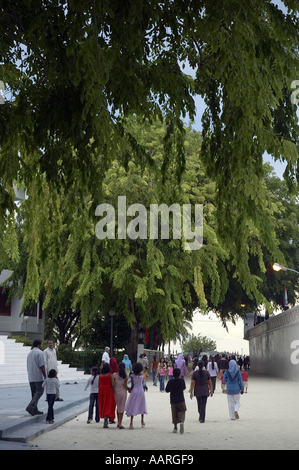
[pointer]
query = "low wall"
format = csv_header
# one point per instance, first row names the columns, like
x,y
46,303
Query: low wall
x,y
274,345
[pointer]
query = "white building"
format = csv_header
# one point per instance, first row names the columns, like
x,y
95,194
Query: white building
x,y
11,321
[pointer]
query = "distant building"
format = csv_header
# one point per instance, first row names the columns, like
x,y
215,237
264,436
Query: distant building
x,y
249,321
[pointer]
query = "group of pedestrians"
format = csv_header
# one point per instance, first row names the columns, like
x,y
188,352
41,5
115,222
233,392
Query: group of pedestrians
x,y
116,389
42,375
109,389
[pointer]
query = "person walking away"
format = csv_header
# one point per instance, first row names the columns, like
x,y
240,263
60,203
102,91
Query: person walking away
x,y
176,389
212,368
223,365
245,378
93,383
120,388
154,368
145,378
52,386
36,375
201,388
234,386
136,403
106,395
180,363
113,365
223,385
51,362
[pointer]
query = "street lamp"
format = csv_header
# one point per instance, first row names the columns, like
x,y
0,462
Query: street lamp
x,y
112,314
278,267
26,320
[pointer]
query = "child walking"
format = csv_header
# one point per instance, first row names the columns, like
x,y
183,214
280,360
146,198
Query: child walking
x,y
145,378
170,370
93,383
136,403
162,371
245,377
52,386
176,389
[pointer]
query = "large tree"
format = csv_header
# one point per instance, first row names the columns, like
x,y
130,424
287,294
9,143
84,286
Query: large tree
x,y
74,71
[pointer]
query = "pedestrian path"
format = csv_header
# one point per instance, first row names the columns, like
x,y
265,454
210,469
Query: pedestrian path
x,y
16,425
268,420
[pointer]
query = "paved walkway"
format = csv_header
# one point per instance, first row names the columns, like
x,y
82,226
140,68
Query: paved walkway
x,y
269,417
17,425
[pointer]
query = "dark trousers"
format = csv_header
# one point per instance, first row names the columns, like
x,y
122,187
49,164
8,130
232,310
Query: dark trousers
x,y
214,383
36,392
51,400
202,403
94,401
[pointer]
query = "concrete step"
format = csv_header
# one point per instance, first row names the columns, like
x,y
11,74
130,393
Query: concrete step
x,y
23,427
13,364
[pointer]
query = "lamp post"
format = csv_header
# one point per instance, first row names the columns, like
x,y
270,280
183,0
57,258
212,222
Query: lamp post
x,y
112,314
278,267
26,320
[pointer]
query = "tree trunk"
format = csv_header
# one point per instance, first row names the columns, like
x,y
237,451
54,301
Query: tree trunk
x,y
132,342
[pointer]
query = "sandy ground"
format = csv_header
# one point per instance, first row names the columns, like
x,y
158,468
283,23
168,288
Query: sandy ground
x,y
268,420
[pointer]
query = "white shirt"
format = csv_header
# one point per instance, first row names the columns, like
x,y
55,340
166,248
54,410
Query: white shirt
x,y
52,385
51,359
106,357
94,388
213,373
35,360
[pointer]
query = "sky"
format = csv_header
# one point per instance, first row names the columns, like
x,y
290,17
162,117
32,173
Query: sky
x,y
209,325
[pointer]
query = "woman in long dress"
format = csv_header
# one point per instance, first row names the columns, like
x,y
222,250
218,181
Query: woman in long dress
x,y
120,387
181,364
136,404
106,395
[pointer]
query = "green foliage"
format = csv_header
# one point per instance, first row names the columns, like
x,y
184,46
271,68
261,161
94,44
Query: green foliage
x,y
76,71
22,339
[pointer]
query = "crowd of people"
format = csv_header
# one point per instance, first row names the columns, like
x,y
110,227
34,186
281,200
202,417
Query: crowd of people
x,y
118,389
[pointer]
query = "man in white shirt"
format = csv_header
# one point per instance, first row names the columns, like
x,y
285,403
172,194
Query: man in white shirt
x,y
36,376
106,357
51,361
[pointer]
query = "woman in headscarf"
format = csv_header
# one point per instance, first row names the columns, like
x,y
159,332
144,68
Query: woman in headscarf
x,y
234,386
128,364
113,365
181,364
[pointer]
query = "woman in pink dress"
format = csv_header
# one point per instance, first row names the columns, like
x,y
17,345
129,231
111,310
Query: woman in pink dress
x,y
120,387
136,404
